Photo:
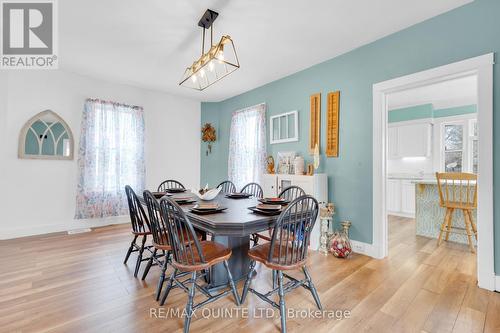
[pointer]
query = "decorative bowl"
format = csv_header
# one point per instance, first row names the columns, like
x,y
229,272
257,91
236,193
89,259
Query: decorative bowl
x,y
208,195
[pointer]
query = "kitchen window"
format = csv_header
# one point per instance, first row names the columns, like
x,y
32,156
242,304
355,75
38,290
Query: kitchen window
x,y
459,146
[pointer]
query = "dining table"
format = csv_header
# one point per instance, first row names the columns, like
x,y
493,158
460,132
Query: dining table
x,y
232,228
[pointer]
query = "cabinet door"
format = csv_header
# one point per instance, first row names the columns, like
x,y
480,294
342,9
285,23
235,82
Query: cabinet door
x,y
269,185
392,145
393,195
408,197
414,140
305,184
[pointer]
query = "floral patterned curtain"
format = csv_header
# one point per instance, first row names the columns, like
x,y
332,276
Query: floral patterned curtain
x,y
111,155
247,145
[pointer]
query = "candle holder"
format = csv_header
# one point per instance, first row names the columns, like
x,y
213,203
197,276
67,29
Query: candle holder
x,y
326,217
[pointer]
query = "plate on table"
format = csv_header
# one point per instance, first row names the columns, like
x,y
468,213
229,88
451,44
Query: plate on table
x,y
207,208
184,200
238,195
176,190
264,212
159,195
274,201
268,207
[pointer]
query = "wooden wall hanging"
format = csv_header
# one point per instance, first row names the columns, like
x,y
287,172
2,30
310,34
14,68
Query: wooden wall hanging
x,y
332,124
315,122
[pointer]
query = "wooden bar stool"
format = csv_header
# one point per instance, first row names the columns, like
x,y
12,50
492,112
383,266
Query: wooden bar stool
x,y
191,255
458,191
286,251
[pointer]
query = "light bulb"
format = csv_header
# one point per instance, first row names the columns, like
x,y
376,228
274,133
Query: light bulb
x,y
220,56
193,78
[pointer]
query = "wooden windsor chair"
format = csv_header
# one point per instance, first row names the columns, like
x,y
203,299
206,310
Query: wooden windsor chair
x,y
254,189
458,191
227,186
286,251
169,184
140,228
192,256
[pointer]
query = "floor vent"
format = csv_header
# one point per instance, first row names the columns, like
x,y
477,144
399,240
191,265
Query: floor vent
x,y
79,231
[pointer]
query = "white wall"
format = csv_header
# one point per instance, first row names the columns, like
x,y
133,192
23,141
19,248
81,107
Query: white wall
x,y
40,195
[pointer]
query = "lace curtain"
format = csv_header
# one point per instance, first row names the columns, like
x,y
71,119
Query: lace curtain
x,y
111,155
247,145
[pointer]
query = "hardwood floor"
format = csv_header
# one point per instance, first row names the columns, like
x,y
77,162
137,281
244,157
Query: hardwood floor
x,y
77,283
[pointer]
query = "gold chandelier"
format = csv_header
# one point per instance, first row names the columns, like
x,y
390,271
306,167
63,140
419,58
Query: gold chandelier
x,y
218,62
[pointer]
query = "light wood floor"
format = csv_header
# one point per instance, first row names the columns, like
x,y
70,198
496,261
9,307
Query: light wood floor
x,y
77,283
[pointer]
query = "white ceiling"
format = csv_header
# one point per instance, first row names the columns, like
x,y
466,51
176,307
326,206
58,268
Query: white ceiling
x,y
150,43
442,95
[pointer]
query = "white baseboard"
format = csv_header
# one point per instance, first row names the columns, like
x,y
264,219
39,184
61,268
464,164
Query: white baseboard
x,y
497,283
34,229
364,248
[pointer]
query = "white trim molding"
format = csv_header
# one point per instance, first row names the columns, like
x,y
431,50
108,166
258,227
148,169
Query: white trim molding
x,y
482,67
62,227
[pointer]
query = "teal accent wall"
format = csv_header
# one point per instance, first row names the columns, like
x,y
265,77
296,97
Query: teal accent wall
x,y
465,32
455,111
426,111
411,113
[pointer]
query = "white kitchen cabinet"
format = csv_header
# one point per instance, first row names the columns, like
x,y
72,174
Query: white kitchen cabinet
x,y
407,197
409,140
400,197
393,195
315,185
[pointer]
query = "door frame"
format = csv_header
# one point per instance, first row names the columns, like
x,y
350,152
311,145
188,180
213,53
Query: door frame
x,y
482,67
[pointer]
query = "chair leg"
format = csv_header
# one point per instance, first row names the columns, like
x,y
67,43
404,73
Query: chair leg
x,y
161,280
189,305
148,266
440,238
131,247
473,224
275,278
139,256
231,283
468,231
314,292
247,281
448,228
282,302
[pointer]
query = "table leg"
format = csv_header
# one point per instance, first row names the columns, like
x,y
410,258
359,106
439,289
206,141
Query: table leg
x,y
238,263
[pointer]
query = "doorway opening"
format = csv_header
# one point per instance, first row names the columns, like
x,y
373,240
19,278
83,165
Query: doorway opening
x,y
459,141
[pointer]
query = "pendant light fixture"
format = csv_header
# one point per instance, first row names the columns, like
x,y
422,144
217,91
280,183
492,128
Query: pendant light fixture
x,y
219,61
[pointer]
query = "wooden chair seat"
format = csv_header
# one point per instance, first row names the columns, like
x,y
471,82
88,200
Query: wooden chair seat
x,y
146,233
213,252
459,205
164,245
260,253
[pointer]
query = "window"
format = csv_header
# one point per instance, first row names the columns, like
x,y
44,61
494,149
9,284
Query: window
x,y
459,145
111,155
453,147
473,145
247,145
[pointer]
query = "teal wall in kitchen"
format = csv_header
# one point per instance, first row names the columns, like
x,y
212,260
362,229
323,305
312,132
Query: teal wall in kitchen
x,y
427,111
411,113
465,32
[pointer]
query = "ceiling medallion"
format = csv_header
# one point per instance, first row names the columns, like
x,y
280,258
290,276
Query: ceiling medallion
x,y
218,62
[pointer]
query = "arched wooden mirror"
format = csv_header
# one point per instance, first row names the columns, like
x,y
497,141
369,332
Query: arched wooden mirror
x,y
46,136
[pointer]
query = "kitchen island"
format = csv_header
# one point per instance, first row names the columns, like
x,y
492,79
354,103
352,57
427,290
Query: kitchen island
x,y
429,214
